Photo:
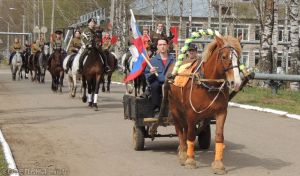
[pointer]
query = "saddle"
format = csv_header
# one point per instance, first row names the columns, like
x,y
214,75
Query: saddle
x,y
184,70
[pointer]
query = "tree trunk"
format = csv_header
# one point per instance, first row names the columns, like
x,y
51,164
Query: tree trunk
x,y
266,62
275,37
284,62
294,49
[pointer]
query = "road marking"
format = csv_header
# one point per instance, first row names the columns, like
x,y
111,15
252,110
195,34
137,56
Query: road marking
x,y
8,157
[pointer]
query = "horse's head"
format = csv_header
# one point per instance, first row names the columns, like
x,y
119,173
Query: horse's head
x,y
46,49
229,51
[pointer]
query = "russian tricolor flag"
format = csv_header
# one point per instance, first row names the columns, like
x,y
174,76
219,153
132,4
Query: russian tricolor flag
x,y
140,64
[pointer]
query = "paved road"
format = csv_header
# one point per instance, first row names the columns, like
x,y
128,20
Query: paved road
x,y
52,134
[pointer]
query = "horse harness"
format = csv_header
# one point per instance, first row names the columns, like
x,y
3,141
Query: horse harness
x,y
199,77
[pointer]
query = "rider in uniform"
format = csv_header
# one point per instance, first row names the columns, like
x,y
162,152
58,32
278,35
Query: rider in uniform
x,y
35,48
57,44
75,46
15,47
88,39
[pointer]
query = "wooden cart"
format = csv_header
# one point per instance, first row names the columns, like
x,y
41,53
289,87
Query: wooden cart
x,y
140,110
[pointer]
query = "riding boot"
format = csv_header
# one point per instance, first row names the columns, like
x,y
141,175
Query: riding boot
x,y
81,61
107,68
49,61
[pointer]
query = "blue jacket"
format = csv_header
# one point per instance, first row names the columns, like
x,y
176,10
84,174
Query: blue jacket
x,y
161,69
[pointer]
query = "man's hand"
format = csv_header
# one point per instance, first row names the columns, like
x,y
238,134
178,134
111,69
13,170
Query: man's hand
x,y
153,70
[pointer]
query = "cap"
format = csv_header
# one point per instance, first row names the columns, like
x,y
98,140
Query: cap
x,y
91,19
59,32
193,47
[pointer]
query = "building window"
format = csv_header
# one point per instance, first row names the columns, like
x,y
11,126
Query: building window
x,y
281,34
256,58
242,30
257,33
223,28
245,59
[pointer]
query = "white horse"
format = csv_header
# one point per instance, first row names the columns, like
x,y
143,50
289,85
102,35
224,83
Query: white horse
x,y
16,65
72,73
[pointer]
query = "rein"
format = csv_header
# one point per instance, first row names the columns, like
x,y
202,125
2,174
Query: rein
x,y
210,88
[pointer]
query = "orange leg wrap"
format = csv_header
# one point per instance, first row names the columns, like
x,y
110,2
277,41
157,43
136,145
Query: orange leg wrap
x,y
190,149
219,149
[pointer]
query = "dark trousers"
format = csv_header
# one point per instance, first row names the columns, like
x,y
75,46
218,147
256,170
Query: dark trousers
x,y
11,57
156,93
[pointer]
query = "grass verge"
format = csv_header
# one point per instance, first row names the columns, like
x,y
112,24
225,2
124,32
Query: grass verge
x,y
3,164
285,100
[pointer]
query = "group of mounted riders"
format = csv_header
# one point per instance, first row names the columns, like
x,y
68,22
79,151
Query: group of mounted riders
x,y
88,38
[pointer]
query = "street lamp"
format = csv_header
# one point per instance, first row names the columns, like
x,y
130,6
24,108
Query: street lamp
x,y
1,18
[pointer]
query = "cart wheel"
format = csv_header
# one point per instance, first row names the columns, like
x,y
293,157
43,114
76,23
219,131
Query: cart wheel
x,y
138,138
204,138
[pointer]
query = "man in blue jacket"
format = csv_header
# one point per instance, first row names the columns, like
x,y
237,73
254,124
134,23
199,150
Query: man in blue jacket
x,y
160,64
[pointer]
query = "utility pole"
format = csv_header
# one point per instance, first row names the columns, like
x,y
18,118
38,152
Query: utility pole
x,y
52,20
23,29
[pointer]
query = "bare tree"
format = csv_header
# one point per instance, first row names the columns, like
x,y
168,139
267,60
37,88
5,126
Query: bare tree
x,y
265,10
294,49
275,36
284,61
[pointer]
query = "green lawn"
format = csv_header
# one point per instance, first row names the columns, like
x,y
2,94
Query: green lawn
x,y
285,100
117,76
3,165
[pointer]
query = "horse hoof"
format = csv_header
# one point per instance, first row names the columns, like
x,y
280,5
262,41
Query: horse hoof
x,y
190,163
218,168
95,106
90,104
84,99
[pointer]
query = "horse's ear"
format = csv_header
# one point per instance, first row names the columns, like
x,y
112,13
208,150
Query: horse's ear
x,y
240,38
219,40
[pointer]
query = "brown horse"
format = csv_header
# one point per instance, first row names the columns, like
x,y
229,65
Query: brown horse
x,y
204,96
112,62
56,70
93,70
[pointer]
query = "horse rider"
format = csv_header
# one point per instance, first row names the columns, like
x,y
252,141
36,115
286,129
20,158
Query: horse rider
x,y
106,47
155,35
57,45
75,46
146,39
15,47
35,48
88,39
160,64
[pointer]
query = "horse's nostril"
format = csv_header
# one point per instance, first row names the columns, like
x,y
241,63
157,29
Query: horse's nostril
x,y
231,82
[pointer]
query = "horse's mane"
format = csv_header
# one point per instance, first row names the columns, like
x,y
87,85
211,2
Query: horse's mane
x,y
228,40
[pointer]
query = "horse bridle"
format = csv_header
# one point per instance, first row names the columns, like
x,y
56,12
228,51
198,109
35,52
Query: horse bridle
x,y
232,53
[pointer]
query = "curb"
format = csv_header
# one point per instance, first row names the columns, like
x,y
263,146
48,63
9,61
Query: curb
x,y
12,169
256,108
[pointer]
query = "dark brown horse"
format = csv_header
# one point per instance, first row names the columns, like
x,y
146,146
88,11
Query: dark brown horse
x,y
206,95
112,62
93,70
56,70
